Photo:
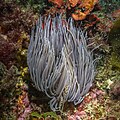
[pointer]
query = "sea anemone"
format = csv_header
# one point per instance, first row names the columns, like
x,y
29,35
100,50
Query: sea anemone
x,y
60,62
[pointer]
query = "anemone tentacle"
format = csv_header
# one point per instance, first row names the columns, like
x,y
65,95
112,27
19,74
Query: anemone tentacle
x,y
60,63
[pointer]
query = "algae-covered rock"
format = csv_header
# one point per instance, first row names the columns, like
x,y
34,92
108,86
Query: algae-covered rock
x,y
2,70
115,90
114,40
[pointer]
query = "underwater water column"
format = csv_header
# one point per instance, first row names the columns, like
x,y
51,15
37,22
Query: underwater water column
x,y
60,62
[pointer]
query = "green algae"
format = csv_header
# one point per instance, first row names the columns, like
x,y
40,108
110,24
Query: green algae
x,y
115,60
114,35
114,40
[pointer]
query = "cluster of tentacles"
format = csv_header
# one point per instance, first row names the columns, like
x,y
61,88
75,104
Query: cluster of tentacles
x,y
60,63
